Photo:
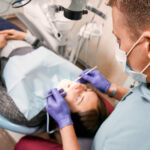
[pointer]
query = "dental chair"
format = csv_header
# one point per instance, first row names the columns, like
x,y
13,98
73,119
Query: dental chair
x,y
85,143
6,124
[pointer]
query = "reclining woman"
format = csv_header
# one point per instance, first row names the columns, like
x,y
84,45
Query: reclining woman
x,y
88,108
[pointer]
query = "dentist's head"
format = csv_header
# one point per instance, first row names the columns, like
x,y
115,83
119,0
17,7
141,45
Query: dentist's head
x,y
131,26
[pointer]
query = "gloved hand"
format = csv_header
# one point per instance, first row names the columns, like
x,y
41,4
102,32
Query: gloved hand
x,y
96,79
58,108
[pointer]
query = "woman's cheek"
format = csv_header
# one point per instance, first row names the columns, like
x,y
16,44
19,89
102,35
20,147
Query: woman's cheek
x,y
69,98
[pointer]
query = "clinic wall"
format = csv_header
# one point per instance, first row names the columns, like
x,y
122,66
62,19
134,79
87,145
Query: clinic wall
x,y
106,61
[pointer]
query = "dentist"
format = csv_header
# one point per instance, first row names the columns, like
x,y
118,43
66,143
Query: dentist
x,y
128,127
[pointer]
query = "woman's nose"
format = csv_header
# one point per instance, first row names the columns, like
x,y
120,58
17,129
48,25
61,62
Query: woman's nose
x,y
80,87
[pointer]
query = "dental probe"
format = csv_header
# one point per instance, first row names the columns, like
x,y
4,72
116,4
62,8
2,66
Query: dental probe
x,y
80,77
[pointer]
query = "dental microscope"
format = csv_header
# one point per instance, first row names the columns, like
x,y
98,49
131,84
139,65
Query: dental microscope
x,y
75,11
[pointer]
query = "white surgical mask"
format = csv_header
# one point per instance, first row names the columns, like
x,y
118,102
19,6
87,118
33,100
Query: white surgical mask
x,y
137,76
121,57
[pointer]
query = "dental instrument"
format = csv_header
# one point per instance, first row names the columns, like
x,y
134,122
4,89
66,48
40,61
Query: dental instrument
x,y
86,73
90,31
47,125
77,49
75,80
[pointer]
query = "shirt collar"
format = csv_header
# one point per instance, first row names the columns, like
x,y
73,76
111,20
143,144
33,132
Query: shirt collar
x,y
143,90
129,93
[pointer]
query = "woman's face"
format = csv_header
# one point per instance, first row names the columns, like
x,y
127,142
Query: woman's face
x,y
80,98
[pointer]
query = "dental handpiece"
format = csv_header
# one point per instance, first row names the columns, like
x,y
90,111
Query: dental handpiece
x,y
77,79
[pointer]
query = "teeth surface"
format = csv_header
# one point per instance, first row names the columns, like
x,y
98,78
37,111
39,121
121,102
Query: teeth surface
x,y
66,84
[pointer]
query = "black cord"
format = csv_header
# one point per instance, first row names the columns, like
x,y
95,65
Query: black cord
x,y
19,1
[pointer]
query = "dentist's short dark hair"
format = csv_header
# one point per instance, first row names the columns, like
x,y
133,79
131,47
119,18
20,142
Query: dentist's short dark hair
x,y
136,12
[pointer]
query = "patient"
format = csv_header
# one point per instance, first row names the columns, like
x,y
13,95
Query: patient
x,y
13,41
88,109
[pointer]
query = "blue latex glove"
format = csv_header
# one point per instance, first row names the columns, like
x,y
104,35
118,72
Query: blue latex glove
x,y
58,108
96,79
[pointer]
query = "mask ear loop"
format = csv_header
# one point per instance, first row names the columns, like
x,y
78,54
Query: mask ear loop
x,y
135,44
134,83
134,47
145,68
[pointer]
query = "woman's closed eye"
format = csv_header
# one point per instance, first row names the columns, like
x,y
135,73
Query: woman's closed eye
x,y
79,99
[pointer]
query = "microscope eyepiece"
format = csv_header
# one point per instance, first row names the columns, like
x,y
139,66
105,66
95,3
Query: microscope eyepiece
x,y
74,15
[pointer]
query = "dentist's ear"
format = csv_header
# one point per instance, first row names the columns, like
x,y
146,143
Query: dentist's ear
x,y
146,36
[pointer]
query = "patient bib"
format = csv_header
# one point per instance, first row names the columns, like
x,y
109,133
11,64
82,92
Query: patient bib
x,y
28,78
